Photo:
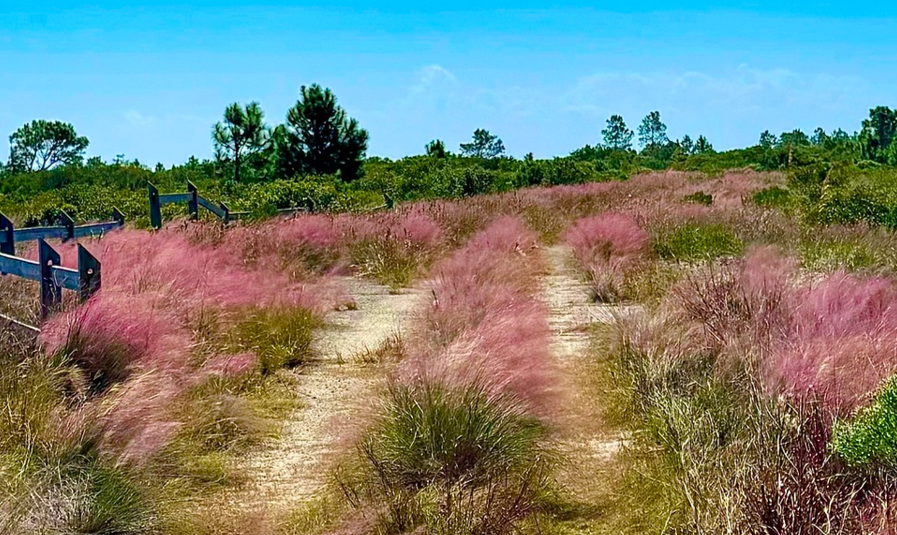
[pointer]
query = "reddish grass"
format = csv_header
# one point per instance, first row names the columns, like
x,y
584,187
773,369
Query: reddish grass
x,y
164,295
843,342
834,338
484,324
607,247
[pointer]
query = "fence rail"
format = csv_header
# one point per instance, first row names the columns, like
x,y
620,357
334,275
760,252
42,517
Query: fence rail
x,y
53,277
64,230
194,202
47,269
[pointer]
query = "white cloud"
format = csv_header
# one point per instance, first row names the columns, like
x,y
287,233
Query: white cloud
x,y
433,77
744,90
136,118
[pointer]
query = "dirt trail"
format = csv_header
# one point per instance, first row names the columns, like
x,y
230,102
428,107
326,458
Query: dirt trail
x,y
331,389
585,439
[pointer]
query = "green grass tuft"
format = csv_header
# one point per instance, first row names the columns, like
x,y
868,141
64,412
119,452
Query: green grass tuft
x,y
279,336
699,197
871,436
455,460
694,241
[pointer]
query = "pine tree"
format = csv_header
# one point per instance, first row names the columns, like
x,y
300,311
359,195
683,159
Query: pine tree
x,y
617,136
241,135
319,138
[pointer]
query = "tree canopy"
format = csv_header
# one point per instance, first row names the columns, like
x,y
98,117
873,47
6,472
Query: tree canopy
x,y
652,132
878,133
320,138
484,145
436,148
617,136
242,134
42,145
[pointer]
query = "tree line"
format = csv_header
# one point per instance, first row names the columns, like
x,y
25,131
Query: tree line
x,y
318,157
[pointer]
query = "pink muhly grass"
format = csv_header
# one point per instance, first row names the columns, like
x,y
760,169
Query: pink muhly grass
x,y
230,366
607,247
484,325
111,333
834,339
137,423
193,277
607,237
162,295
843,341
416,227
302,245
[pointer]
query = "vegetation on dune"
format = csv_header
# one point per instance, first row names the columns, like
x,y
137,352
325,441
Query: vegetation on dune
x,y
316,160
751,372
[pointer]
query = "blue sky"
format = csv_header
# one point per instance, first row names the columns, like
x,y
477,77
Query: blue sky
x,y
149,80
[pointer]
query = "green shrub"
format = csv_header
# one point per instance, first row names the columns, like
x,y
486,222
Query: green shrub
x,y
772,197
451,459
279,336
831,254
694,241
699,197
871,435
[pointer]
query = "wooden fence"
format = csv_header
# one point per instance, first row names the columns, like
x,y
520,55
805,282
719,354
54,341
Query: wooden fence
x,y
53,277
65,229
47,270
195,201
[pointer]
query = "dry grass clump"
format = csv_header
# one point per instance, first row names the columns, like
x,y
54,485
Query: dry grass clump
x,y
736,384
459,443
608,248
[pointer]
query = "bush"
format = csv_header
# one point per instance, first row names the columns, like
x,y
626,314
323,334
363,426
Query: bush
x,y
828,255
455,460
694,241
699,197
279,336
772,197
871,435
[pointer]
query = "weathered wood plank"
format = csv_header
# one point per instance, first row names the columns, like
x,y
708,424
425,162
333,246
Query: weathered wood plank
x,y
89,272
7,236
192,203
20,267
96,229
155,208
173,198
66,221
50,289
67,278
40,233
205,203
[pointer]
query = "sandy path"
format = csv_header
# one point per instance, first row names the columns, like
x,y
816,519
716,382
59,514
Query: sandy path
x,y
587,442
331,390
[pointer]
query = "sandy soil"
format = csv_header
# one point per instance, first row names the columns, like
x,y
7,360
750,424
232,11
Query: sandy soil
x,y
331,389
585,439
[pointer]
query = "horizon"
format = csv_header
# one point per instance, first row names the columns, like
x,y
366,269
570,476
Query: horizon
x,y
148,82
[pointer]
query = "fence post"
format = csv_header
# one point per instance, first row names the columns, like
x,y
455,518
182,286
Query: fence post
x,y
226,209
155,207
88,273
8,232
66,221
118,217
193,203
50,292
